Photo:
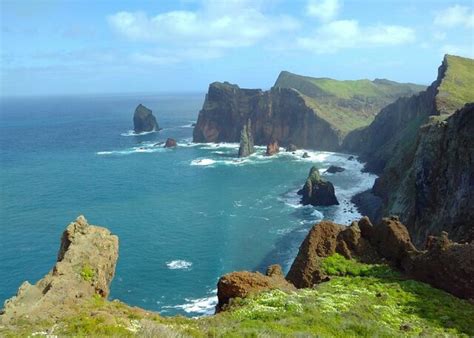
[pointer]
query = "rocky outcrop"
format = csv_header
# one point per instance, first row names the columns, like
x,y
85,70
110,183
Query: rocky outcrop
x,y
317,191
246,140
443,264
291,148
243,283
144,120
85,267
272,148
335,169
278,114
170,143
423,149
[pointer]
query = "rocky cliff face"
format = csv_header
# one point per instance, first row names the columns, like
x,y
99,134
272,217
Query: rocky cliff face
x,y
85,267
443,264
279,114
423,150
144,120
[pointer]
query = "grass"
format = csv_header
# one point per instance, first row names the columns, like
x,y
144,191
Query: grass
x,y
87,273
347,105
457,87
359,300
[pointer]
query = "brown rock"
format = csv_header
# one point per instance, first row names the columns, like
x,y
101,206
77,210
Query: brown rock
x,y
243,283
85,267
170,143
272,148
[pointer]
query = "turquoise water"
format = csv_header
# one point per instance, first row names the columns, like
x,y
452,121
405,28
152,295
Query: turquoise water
x,y
184,216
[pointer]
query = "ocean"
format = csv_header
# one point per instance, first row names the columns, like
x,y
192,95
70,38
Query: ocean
x,y
184,216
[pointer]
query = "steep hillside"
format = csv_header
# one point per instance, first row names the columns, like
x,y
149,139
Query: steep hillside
x,y
424,153
347,104
306,112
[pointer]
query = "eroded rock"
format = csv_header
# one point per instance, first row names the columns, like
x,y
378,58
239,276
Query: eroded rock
x,y
144,120
272,148
170,143
317,191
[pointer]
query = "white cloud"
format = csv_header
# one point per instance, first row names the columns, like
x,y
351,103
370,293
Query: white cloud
x,y
461,50
324,10
455,16
343,34
216,26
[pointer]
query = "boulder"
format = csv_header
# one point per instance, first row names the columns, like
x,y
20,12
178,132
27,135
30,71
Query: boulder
x,y
243,283
317,191
272,148
246,140
291,148
305,155
335,169
85,267
170,143
144,120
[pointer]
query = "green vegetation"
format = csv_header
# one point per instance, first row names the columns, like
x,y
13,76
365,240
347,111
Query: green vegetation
x,y
360,300
347,105
457,87
87,273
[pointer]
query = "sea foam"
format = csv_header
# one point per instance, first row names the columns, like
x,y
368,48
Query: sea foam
x,y
179,265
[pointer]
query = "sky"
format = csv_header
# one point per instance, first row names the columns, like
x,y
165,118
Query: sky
x,y
63,47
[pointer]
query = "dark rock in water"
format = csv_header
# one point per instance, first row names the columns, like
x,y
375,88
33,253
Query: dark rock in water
x,y
246,140
193,124
144,120
335,169
272,148
305,155
243,283
170,143
351,158
317,191
368,204
291,148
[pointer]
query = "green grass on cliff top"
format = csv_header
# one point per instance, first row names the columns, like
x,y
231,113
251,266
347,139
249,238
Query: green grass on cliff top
x,y
359,300
347,105
457,87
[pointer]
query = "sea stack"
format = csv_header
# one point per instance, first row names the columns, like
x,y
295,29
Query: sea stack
x,y
272,148
246,141
317,191
144,120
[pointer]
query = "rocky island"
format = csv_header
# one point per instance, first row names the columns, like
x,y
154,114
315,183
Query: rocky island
x,y
317,191
144,120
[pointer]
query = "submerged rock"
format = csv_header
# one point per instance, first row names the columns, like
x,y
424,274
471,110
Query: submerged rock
x,y
243,283
246,140
85,267
317,191
170,143
305,155
335,169
272,148
144,120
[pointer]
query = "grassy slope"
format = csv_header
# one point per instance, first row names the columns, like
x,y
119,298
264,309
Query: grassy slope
x,y
347,105
359,300
457,87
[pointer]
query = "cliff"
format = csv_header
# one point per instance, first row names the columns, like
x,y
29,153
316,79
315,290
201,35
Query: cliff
x,y
294,111
423,149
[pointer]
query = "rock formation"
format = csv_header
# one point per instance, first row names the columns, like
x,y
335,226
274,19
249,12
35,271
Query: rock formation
x,y
85,267
144,120
335,169
291,148
246,140
317,191
423,149
310,116
443,264
243,283
170,143
272,148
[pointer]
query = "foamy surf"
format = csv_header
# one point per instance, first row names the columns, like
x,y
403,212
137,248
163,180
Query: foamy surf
x,y
132,133
203,162
198,306
179,265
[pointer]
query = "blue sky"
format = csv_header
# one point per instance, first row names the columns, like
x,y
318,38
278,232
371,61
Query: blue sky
x,y
112,46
